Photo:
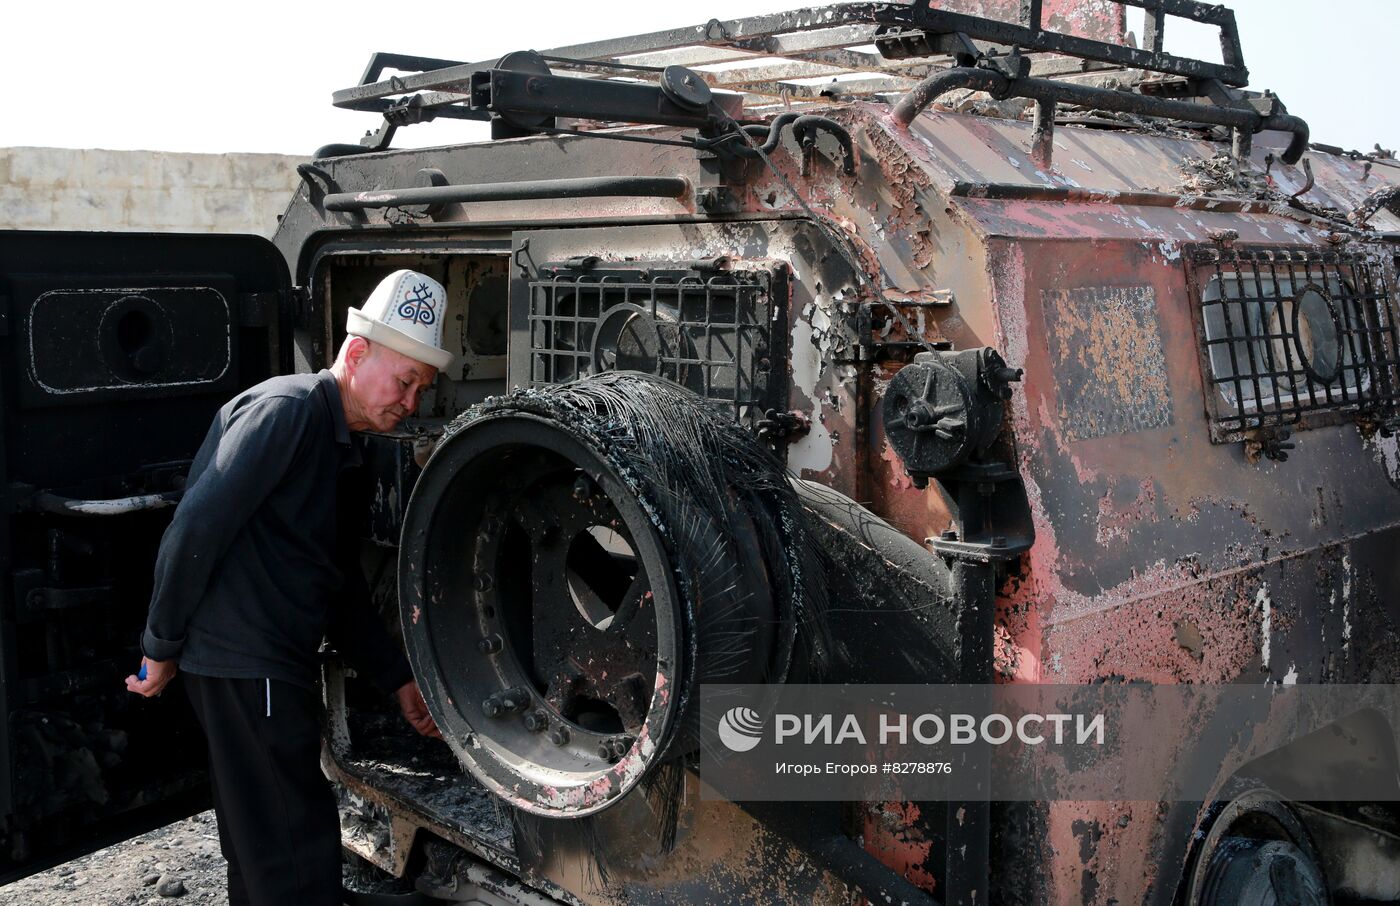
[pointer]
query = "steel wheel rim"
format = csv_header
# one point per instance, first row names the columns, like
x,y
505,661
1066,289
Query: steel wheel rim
x,y
454,613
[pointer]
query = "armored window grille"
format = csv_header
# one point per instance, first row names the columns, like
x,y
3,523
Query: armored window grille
x,y
707,331
1291,332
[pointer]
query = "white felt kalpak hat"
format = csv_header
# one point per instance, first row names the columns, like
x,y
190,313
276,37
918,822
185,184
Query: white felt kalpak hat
x,y
405,313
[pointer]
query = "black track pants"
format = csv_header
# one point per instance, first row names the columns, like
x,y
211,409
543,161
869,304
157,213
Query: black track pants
x,y
278,826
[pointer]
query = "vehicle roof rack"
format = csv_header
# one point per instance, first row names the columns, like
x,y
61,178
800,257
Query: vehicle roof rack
x,y
810,56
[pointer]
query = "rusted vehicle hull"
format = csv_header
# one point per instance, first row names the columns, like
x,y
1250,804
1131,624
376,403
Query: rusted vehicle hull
x,y
1159,555
1178,339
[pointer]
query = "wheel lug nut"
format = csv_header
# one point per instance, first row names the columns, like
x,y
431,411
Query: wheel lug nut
x,y
507,701
614,747
559,736
536,720
483,582
489,645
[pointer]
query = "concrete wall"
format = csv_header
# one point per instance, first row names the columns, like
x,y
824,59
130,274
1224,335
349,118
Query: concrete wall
x,y
67,189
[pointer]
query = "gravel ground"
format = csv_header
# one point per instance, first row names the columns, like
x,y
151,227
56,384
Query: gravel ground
x,y
179,863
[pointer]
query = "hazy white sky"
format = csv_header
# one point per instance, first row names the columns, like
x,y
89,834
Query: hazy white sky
x,y
257,75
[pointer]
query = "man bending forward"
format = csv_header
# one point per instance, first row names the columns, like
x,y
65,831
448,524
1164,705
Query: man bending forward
x,y
256,569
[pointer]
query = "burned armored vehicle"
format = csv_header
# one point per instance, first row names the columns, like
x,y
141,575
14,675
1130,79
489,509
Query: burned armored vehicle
x,y
876,343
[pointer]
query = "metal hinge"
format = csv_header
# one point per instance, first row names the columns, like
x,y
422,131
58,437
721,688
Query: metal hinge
x,y
257,309
301,307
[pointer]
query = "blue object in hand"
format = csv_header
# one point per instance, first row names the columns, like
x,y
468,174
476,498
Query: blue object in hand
x,y
141,674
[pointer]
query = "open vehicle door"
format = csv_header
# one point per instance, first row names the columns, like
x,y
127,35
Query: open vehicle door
x,y
116,350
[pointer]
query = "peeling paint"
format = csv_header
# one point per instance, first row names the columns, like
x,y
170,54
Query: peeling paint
x,y
1387,453
806,358
1265,606
814,450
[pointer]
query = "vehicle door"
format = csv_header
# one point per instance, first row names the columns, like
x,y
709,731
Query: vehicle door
x,y
116,350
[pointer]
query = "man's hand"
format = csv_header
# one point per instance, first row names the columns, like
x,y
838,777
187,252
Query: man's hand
x,y
415,710
158,676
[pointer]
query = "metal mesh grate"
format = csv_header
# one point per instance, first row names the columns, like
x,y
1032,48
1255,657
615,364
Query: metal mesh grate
x,y
709,332
1287,332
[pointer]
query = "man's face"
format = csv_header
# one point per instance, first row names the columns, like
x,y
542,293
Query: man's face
x,y
385,385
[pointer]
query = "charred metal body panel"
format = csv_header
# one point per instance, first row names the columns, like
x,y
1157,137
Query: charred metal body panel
x,y
110,378
1163,550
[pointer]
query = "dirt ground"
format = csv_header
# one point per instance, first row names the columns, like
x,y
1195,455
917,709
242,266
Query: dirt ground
x,y
148,869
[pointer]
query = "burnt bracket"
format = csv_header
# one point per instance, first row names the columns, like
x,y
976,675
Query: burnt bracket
x,y
1043,135
426,178
319,182
525,96
521,256
1309,181
378,140
1388,198
993,519
1269,443
943,412
398,112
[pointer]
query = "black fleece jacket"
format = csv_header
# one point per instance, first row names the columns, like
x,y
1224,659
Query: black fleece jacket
x,y
256,567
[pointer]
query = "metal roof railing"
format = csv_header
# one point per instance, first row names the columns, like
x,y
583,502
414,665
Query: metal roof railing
x,y
809,56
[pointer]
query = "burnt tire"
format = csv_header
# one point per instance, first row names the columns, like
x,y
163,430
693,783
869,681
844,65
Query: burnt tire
x,y
1248,872
1255,852
575,562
